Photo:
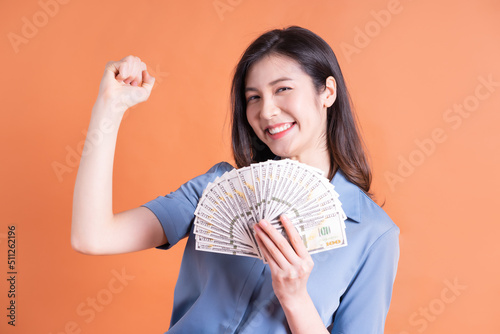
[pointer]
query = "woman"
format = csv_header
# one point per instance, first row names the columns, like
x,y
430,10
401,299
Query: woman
x,y
289,100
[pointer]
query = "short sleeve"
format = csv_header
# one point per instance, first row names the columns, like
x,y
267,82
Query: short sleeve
x,y
175,211
364,305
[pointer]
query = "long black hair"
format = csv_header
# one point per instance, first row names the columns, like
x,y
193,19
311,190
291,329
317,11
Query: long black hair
x,y
317,59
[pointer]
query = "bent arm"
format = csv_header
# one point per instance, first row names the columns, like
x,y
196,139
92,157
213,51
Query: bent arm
x,y
95,229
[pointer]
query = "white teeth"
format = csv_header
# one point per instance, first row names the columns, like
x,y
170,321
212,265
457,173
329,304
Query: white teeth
x,y
282,128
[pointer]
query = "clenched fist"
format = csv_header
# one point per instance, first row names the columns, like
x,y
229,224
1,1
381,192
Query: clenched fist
x,y
125,83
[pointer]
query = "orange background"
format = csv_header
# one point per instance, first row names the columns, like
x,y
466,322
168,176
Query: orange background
x,y
404,76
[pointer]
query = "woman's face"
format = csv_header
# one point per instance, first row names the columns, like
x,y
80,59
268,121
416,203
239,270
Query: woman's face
x,y
284,109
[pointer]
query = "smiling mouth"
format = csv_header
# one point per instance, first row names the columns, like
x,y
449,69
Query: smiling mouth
x,y
278,129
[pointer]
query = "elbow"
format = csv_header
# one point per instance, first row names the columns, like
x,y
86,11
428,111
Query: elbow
x,y
87,240
83,239
81,246
78,246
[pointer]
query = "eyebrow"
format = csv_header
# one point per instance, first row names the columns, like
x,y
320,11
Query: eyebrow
x,y
247,89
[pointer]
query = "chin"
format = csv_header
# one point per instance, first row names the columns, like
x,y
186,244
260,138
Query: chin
x,y
284,149
285,154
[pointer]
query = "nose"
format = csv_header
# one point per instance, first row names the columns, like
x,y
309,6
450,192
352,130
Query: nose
x,y
269,109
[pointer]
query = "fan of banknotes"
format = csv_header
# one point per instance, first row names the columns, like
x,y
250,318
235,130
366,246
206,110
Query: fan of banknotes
x,y
235,201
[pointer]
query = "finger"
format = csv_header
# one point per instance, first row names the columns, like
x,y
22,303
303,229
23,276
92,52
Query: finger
x,y
279,240
129,73
143,92
120,68
294,237
136,74
148,80
112,70
127,70
262,248
269,258
122,71
272,246
139,77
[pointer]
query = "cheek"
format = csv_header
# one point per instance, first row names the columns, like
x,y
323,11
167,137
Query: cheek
x,y
297,107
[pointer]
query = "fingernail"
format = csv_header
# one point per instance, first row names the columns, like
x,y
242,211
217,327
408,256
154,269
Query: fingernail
x,y
263,223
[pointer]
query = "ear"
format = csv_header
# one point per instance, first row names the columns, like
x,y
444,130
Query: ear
x,y
329,95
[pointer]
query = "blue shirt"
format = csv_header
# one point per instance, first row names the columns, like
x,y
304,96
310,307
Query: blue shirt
x,y
350,286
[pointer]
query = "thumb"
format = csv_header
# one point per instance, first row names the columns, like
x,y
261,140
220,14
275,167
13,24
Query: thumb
x,y
112,69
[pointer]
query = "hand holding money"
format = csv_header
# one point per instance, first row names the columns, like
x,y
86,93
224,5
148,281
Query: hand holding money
x,y
290,262
231,205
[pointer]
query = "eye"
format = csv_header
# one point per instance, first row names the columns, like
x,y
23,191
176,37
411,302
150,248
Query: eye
x,y
283,89
252,97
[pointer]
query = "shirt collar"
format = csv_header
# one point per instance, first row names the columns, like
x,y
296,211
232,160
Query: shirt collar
x,y
349,195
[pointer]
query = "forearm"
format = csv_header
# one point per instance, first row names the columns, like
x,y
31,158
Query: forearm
x,y
302,316
92,198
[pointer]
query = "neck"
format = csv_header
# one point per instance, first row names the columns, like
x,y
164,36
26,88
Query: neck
x,y
318,159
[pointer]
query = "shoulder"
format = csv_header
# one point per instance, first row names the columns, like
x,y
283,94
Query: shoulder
x,y
193,189
214,172
372,215
220,168
367,218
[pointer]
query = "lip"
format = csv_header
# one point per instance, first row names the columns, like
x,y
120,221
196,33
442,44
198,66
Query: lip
x,y
281,134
